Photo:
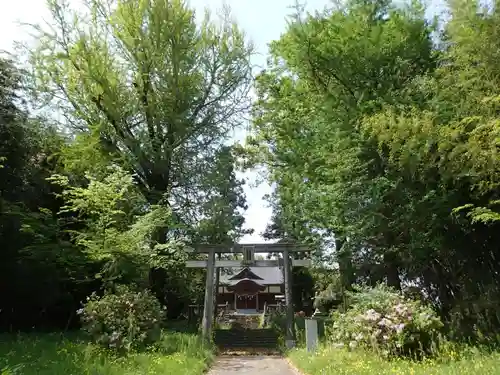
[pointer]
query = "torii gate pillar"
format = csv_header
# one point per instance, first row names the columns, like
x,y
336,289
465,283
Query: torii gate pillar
x,y
208,310
290,326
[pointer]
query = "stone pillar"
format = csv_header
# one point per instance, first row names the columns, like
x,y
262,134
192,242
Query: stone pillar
x,y
311,334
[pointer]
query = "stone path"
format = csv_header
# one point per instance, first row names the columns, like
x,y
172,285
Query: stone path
x,y
251,365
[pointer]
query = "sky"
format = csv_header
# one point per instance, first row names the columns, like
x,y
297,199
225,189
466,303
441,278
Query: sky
x,y
262,20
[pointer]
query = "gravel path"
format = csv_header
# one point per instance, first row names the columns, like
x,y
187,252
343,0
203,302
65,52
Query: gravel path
x,y
251,365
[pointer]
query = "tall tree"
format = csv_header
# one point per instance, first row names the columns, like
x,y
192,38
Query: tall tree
x,y
154,89
327,73
386,141
150,87
450,150
223,220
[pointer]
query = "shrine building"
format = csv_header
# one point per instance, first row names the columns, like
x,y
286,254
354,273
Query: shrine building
x,y
249,289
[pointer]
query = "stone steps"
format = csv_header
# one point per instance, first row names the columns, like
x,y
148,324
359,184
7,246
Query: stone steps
x,y
246,338
242,321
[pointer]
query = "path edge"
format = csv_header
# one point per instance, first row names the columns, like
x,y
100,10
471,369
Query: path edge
x,y
293,367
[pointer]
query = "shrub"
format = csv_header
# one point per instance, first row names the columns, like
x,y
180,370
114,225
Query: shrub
x,y
384,320
300,329
277,321
123,320
236,325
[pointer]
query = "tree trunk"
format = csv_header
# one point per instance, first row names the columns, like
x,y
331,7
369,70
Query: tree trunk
x,y
346,269
392,271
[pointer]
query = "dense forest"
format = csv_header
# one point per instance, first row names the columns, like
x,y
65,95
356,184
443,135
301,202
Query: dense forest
x,y
378,128
115,155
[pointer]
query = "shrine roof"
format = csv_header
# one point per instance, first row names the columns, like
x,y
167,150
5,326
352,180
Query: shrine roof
x,y
245,285
237,281
264,275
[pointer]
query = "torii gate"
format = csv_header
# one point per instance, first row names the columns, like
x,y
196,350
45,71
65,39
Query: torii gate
x,y
248,250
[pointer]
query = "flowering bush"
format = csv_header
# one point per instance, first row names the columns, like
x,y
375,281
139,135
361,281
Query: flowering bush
x,y
384,320
123,320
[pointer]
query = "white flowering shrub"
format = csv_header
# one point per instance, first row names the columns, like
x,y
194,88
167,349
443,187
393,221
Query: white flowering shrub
x,y
123,320
383,320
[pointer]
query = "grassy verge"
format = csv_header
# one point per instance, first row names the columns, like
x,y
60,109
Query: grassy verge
x,y
177,353
329,361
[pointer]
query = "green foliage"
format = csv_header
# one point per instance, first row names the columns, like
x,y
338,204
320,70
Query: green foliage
x,y
42,274
119,227
277,320
378,130
330,292
383,148
384,321
317,88
148,97
222,220
57,354
159,101
123,320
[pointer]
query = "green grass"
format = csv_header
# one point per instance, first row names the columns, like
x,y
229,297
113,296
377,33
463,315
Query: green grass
x,y
55,354
329,361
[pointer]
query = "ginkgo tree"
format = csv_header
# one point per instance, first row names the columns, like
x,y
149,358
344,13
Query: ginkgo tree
x,y
155,89
151,85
